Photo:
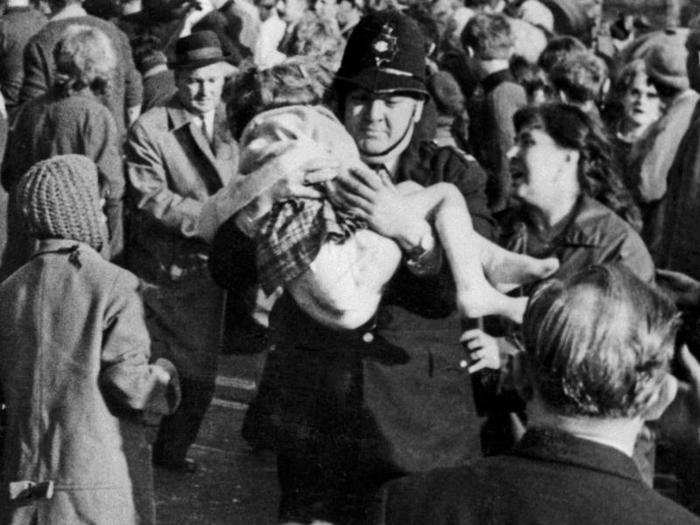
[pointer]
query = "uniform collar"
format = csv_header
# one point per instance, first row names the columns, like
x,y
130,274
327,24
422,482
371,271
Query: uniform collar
x,y
556,446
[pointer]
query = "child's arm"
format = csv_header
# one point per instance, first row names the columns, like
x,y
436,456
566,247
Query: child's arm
x,y
127,380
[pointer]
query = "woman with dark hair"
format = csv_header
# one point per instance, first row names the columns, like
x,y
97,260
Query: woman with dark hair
x,y
70,119
574,205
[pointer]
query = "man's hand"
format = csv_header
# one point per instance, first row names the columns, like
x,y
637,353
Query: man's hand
x,y
483,350
375,199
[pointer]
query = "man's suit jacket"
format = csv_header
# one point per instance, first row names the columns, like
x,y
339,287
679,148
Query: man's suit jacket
x,y
172,170
550,477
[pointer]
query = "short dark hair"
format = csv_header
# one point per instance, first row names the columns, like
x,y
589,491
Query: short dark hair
x,y
557,48
489,35
598,343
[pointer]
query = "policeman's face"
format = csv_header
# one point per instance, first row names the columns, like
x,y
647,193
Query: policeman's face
x,y
378,122
200,89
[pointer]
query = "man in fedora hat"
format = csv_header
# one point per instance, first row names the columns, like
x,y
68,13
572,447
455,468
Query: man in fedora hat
x,y
347,408
177,156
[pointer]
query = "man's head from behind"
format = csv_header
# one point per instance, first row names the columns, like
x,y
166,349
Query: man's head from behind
x,y
489,37
598,345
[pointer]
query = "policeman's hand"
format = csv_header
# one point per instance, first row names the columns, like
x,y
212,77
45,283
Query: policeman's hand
x,y
375,199
483,350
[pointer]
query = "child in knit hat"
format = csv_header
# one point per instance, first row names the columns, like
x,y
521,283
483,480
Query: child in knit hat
x,y
74,364
290,236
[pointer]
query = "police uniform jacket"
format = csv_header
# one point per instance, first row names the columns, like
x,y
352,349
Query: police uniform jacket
x,y
392,389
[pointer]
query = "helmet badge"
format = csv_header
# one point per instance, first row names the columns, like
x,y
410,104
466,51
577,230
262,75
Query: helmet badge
x,y
384,46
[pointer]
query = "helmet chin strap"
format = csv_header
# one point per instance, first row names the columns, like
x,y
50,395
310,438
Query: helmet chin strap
x,y
394,150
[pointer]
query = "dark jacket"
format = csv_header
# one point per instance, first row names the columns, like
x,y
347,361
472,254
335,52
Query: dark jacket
x,y
17,26
393,390
550,477
492,132
55,125
39,69
591,234
679,210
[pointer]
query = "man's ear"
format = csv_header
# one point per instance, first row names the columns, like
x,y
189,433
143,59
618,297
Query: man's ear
x,y
418,111
661,399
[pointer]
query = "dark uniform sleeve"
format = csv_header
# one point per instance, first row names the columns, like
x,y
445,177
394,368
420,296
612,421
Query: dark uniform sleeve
x,y
232,258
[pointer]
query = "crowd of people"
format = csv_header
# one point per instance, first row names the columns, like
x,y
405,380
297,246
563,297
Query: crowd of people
x,y
460,230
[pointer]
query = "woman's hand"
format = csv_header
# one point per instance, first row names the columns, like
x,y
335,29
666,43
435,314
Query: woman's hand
x,y
299,179
375,199
483,350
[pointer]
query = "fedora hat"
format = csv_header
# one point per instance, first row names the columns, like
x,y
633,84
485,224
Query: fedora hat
x,y
200,49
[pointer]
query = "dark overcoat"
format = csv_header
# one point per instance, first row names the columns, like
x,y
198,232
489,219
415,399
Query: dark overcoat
x,y
393,390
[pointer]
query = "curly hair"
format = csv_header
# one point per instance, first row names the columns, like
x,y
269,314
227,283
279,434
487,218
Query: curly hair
x,y
84,58
571,128
579,76
297,80
316,36
598,343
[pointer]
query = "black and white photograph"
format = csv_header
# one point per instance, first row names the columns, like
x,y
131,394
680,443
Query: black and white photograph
x,y
349,262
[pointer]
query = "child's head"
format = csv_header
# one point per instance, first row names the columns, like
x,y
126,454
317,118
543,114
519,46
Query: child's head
x,y
59,198
296,81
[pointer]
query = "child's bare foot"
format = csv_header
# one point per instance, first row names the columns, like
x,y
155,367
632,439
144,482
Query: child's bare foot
x,y
521,269
478,302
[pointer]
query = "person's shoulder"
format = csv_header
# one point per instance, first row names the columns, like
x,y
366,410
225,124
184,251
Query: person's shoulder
x,y
153,120
430,497
450,163
596,224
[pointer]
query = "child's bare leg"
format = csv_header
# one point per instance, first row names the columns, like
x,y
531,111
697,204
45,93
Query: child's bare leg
x,y
499,265
475,295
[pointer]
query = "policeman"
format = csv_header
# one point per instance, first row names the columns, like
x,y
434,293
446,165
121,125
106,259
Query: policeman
x,y
348,409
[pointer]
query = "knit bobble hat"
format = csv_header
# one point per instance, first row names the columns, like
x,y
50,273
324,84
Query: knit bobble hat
x,y
59,198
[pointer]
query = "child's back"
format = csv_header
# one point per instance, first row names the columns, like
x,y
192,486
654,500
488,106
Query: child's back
x,y
74,363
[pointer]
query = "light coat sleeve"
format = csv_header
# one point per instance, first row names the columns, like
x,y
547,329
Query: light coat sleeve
x,y
148,178
127,379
